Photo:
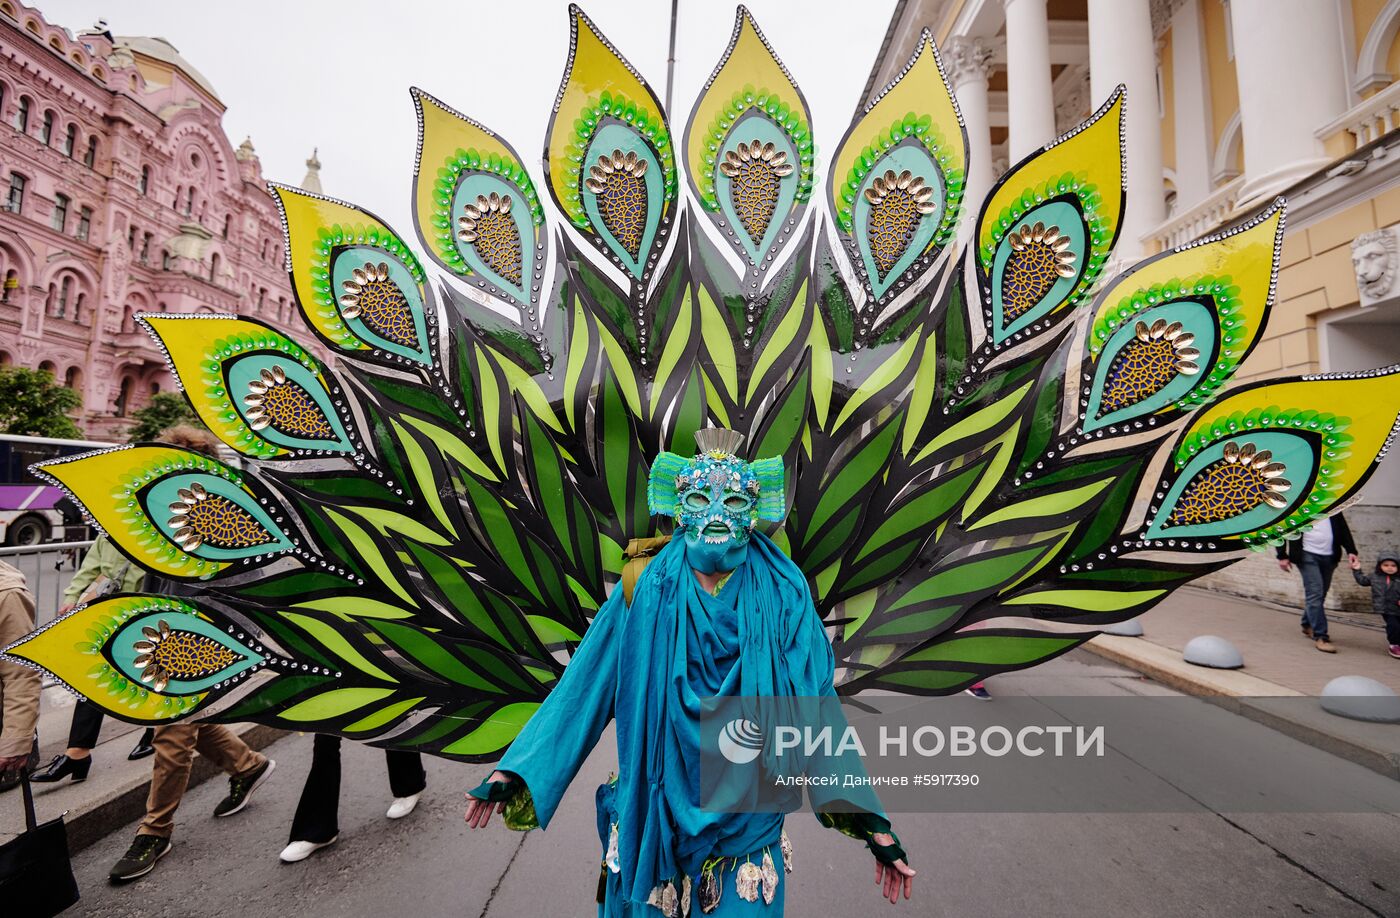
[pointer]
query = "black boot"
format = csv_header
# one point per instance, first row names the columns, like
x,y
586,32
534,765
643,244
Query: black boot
x,y
143,746
60,768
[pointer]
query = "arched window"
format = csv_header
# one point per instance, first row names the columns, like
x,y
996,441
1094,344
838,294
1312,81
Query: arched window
x,y
262,295
65,290
22,114
11,288
70,140
277,253
123,396
166,261
145,184
228,218
189,202
58,220
90,157
78,305
264,250
46,129
214,268
49,367
73,379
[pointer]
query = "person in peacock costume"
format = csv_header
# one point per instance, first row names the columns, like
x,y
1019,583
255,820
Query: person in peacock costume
x,y
988,450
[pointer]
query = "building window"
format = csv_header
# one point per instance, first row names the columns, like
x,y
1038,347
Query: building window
x,y
70,140
46,130
189,202
146,249
78,307
90,158
214,268
145,182
123,397
65,290
131,238
227,219
11,286
264,250
73,378
22,115
262,295
166,261
15,203
84,223
59,219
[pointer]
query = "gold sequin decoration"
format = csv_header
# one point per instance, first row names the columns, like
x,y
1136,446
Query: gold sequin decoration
x,y
755,171
897,204
1039,257
164,654
199,518
1151,359
377,301
1236,483
618,182
487,226
275,401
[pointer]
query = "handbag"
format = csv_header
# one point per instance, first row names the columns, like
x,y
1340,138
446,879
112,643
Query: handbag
x,y
36,876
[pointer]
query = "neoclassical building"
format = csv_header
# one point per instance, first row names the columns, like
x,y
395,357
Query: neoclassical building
x,y
121,195
1230,103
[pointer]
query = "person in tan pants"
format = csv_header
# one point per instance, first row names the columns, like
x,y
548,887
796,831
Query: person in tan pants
x,y
175,744
19,685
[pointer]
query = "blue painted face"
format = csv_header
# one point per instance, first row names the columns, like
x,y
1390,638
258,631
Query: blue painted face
x,y
717,497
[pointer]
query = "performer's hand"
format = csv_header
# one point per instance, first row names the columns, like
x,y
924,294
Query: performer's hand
x,y
891,878
66,608
479,811
1284,565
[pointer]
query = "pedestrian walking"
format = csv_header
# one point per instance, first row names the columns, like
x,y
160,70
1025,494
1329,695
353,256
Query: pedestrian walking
x,y
175,744
316,824
1385,594
19,685
1316,556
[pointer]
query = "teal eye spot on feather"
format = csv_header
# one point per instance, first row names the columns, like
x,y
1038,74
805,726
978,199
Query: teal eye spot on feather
x,y
1037,266
756,182
897,213
178,654
1235,486
495,235
285,403
1151,362
380,301
212,518
623,191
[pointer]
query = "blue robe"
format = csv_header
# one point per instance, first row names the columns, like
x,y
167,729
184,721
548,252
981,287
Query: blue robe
x,y
650,666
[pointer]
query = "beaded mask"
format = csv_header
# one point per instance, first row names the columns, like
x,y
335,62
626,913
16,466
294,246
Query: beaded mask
x,y
716,498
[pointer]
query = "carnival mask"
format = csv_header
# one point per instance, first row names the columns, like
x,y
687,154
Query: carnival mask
x,y
716,498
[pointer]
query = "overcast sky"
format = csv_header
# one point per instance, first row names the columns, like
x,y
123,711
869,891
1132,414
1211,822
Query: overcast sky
x,y
297,74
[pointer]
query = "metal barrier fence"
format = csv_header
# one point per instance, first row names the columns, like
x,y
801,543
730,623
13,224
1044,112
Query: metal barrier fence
x,y
47,571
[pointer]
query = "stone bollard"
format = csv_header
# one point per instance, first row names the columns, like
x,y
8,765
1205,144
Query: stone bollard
x,y
1214,652
1360,698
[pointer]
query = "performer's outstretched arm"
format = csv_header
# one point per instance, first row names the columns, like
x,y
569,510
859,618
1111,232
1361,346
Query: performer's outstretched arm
x,y
552,746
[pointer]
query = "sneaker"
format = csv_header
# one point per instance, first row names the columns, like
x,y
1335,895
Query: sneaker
x,y
1395,651
1325,645
140,859
978,692
402,806
301,850
241,787
1307,631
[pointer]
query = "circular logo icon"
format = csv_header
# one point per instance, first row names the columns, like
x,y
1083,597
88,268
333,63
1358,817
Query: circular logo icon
x,y
740,741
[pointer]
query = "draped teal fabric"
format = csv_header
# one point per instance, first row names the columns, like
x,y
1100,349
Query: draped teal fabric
x,y
650,666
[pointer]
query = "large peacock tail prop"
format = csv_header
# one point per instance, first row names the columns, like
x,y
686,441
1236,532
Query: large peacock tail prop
x,y
990,452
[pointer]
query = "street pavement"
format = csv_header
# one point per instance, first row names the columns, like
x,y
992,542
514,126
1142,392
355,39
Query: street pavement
x,y
1022,865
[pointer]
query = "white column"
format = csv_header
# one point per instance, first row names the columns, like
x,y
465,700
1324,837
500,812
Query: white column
x,y
969,65
1030,97
1191,100
1288,61
1121,50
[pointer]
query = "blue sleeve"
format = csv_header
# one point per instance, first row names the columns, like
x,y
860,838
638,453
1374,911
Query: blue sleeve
x,y
552,746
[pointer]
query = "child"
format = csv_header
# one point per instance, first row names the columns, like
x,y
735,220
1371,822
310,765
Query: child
x,y
1385,594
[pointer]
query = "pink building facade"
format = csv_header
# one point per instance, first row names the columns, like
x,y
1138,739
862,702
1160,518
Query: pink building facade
x,y
120,194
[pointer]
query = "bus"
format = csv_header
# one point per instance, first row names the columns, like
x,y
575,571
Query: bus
x,y
30,513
